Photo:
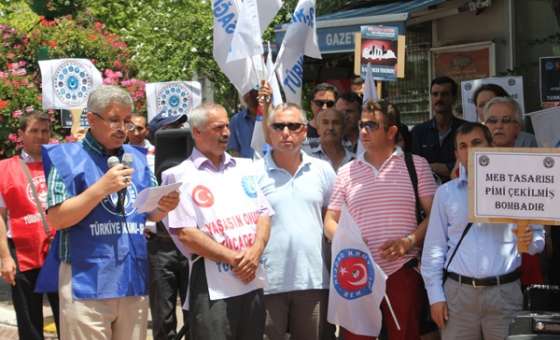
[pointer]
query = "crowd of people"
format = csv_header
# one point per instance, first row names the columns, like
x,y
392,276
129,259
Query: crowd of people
x,y
245,243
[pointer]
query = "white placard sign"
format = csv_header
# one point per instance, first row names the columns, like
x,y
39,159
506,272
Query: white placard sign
x,y
173,98
514,183
512,85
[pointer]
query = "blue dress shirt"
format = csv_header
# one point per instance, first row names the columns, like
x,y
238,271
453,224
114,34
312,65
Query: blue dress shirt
x,y
487,250
241,127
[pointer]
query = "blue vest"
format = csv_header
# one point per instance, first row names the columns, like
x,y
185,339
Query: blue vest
x,y
107,250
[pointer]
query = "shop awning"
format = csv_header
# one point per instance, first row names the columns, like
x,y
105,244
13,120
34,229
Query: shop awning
x,y
335,31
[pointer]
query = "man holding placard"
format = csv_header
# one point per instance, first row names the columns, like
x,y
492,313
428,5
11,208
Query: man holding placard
x,y
471,271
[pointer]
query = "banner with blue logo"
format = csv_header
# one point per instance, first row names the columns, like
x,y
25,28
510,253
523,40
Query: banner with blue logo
x,y
357,284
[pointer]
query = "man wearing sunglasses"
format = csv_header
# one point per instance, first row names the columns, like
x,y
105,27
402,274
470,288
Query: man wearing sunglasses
x,y
378,192
98,258
298,188
324,96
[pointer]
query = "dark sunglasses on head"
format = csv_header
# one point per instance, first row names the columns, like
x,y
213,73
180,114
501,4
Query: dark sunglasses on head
x,y
370,125
290,126
321,103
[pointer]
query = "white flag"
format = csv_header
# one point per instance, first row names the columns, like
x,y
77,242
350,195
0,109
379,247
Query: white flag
x,y
300,40
370,91
67,83
546,124
174,98
273,80
254,18
357,284
239,72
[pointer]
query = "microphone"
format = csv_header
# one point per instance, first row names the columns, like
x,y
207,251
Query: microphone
x,y
112,161
127,160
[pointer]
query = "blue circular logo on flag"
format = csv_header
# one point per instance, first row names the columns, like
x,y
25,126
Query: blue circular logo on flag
x,y
72,83
174,100
249,186
111,202
353,274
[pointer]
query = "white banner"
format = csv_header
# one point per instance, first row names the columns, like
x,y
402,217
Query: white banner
x,y
67,83
174,98
546,124
357,284
300,40
241,72
254,18
512,85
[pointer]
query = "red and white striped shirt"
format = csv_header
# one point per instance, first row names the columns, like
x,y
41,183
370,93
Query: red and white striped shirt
x,y
382,201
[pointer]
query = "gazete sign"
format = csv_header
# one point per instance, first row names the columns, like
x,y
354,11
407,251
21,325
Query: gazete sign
x,y
514,183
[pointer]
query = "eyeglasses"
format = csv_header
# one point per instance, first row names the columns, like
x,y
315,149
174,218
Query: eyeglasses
x,y
505,120
291,126
116,124
321,103
369,125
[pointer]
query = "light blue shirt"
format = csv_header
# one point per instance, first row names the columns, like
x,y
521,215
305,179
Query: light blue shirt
x,y
487,249
294,256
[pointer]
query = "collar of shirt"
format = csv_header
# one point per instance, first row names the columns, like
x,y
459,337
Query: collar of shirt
x,y
463,176
271,165
92,144
319,153
455,122
245,114
200,161
397,153
26,157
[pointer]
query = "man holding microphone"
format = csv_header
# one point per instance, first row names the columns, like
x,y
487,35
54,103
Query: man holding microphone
x,y
100,246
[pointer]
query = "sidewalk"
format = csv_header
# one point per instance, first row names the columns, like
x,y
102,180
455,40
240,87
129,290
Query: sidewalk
x,y
8,323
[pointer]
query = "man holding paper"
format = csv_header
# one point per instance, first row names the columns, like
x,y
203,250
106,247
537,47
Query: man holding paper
x,y
471,270
224,219
98,257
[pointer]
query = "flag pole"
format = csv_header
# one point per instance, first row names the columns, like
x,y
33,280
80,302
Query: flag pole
x,y
392,312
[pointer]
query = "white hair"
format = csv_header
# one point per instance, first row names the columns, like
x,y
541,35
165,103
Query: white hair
x,y
199,115
505,100
287,106
105,95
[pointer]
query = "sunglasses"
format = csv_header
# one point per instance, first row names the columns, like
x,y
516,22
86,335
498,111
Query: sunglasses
x,y
504,120
321,103
290,126
369,125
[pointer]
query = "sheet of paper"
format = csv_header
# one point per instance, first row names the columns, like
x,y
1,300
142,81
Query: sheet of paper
x,y
147,200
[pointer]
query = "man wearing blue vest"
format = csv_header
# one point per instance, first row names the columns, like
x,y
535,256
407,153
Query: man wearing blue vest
x,y
103,271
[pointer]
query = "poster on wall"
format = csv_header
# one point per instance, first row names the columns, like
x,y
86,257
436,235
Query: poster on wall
x,y
464,62
512,85
550,79
379,48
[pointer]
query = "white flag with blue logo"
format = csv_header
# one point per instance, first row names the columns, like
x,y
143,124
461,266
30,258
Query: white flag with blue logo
x,y
254,18
239,67
258,141
239,72
67,83
300,40
357,284
172,98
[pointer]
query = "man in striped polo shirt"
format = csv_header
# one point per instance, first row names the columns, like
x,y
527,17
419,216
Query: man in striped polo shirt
x,y
378,192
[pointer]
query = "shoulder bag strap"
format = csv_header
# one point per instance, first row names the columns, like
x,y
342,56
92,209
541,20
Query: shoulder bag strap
x,y
467,228
35,196
414,179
